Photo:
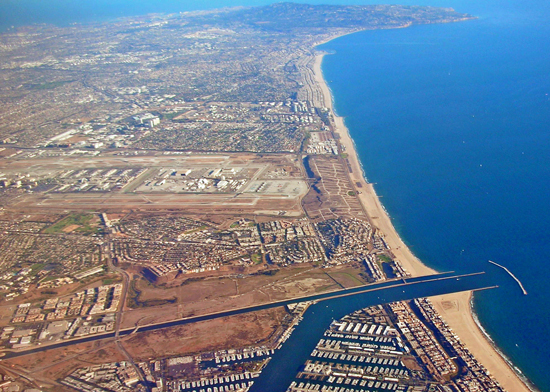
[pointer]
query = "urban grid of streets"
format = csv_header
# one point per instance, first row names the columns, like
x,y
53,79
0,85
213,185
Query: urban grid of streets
x,y
170,167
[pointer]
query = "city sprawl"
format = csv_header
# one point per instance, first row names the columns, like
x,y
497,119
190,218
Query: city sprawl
x,y
159,171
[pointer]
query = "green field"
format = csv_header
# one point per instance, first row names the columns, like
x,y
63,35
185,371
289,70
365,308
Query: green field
x,y
83,221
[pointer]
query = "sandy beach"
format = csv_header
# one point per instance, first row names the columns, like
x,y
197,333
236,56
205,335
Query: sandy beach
x,y
454,308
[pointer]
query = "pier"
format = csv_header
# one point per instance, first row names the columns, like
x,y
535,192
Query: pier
x,y
512,275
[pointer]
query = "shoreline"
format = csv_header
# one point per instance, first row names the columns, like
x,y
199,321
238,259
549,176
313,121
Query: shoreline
x,y
454,308
368,197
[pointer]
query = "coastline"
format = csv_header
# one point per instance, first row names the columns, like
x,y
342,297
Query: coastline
x,y
454,308
457,311
368,197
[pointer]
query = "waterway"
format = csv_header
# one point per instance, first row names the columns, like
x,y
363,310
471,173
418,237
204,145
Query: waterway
x,y
286,362
477,280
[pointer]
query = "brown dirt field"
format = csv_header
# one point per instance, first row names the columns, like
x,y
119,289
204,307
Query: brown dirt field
x,y
75,139
101,354
222,221
328,197
216,294
348,276
189,292
47,367
300,283
228,332
34,362
6,314
70,228
6,152
11,216
410,363
115,216
105,353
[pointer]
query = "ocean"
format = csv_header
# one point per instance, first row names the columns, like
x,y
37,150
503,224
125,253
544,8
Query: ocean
x,y
452,124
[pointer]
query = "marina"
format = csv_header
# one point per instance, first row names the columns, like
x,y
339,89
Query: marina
x,y
281,370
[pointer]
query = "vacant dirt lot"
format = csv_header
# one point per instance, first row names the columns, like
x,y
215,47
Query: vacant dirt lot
x,y
224,333
215,294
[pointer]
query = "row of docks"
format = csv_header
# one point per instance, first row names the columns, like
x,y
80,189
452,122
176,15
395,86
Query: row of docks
x,y
376,339
387,347
391,372
388,384
381,361
351,385
244,355
380,339
367,347
224,388
363,329
234,382
287,334
331,368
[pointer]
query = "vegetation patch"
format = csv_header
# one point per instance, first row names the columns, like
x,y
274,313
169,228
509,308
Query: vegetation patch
x,y
134,302
384,259
195,230
80,223
49,85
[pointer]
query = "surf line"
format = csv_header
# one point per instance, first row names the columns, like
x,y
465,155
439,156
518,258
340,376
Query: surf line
x,y
512,275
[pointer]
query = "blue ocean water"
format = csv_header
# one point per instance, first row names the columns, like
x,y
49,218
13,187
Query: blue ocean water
x,y
451,122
